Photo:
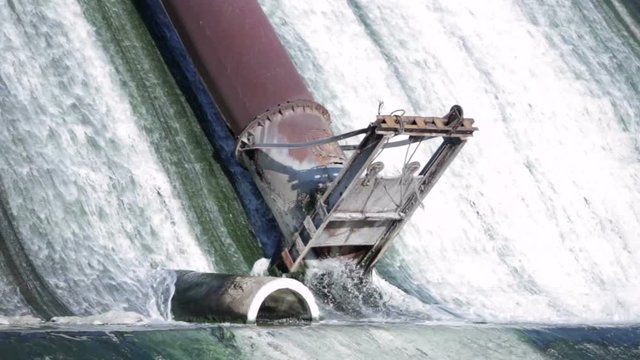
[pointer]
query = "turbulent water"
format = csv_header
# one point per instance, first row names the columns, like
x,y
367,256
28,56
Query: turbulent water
x,y
100,209
538,219
107,181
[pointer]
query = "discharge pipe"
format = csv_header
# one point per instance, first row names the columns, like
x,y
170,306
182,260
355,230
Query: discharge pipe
x,y
207,297
282,134
263,99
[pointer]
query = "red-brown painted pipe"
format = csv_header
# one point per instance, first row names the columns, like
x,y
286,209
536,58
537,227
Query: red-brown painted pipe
x,y
263,99
238,55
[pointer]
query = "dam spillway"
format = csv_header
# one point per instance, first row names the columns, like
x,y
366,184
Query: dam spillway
x,y
492,266
284,140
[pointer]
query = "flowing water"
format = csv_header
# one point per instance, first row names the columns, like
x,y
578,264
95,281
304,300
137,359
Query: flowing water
x,y
106,180
538,218
106,173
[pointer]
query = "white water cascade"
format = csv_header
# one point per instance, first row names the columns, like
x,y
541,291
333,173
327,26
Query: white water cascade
x,y
538,219
95,211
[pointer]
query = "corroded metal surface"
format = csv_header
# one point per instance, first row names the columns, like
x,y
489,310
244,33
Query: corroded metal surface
x,y
262,96
238,55
324,207
290,178
362,211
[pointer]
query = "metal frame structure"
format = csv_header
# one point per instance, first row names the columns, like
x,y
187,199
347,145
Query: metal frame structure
x,y
357,216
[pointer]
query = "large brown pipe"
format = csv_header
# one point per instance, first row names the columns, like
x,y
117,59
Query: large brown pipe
x,y
263,99
238,55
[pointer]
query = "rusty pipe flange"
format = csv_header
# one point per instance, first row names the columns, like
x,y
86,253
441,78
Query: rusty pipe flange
x,y
246,137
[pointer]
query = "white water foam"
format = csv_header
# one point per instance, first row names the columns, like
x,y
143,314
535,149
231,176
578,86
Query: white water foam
x,y
94,208
11,302
19,321
538,218
260,267
108,318
347,295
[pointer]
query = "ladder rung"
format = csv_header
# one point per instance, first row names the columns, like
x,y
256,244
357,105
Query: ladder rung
x,y
308,225
354,216
299,244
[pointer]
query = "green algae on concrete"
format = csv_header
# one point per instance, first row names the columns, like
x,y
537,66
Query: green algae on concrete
x,y
162,113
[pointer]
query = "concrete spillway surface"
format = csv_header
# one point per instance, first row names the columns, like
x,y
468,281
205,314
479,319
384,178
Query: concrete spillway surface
x,y
554,153
245,299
